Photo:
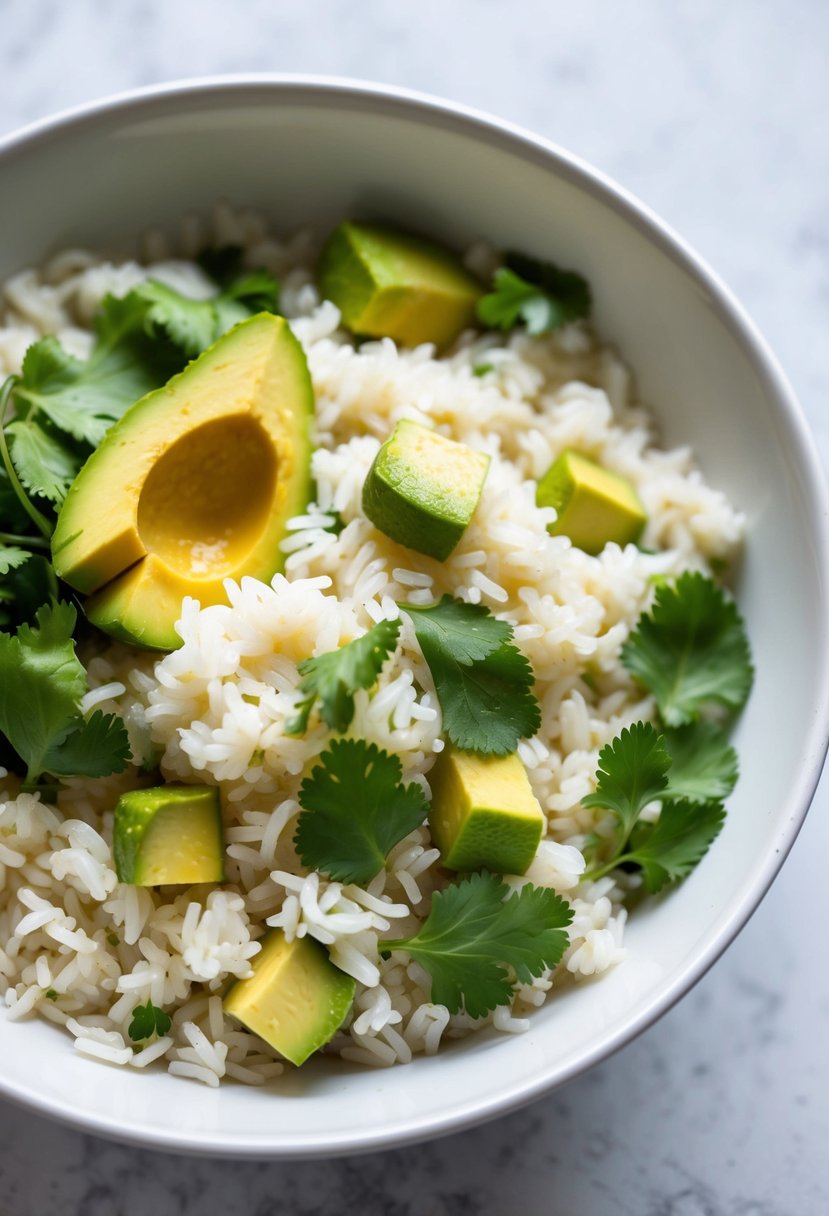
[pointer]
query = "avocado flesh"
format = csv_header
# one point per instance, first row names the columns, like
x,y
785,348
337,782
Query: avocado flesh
x,y
388,284
422,489
484,813
194,485
169,835
594,505
296,999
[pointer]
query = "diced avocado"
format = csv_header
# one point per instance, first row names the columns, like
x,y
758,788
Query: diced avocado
x,y
388,284
422,489
194,485
169,835
484,814
594,505
296,999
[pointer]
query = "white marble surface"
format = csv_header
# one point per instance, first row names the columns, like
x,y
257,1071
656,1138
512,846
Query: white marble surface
x,y
716,115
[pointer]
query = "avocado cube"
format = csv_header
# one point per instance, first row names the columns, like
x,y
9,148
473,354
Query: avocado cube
x,y
484,813
422,489
594,505
389,284
169,835
296,999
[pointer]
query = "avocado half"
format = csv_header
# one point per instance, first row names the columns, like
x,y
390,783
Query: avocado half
x,y
192,486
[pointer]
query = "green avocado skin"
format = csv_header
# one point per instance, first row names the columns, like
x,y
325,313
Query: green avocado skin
x,y
411,523
420,497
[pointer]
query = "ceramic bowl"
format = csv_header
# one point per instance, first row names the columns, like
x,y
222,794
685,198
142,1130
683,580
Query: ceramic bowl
x,y
307,150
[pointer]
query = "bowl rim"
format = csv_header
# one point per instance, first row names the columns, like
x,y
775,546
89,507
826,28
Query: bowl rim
x,y
429,110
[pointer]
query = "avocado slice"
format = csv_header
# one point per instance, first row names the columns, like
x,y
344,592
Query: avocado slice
x,y
169,835
484,813
422,489
594,505
388,284
192,486
296,999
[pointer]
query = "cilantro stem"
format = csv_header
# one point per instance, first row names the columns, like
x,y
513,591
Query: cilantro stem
x,y
31,542
40,521
600,871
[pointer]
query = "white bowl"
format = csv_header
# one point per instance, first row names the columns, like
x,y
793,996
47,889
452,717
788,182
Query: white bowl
x,y
310,150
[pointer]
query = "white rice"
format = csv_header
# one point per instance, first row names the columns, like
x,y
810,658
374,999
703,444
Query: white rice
x,y
82,950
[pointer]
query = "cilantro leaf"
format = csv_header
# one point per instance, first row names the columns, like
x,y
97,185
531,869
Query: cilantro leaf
x,y
193,325
95,747
45,466
468,631
190,324
632,772
691,650
355,811
12,557
40,671
148,1020
671,847
488,706
336,676
539,294
82,398
475,941
483,682
704,765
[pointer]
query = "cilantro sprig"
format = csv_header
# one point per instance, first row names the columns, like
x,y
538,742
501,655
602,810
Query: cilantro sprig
x,y
538,294
333,678
41,686
355,810
476,943
692,653
482,680
635,769
148,1021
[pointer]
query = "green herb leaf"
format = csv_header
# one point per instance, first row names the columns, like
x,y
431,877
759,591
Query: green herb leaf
x,y
483,682
82,399
632,772
691,651
704,765
40,671
147,1021
475,943
355,811
540,294
467,632
96,747
193,325
45,466
336,676
12,557
680,838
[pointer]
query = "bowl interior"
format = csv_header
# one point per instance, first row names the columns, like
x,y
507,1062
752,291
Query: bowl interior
x,y
310,153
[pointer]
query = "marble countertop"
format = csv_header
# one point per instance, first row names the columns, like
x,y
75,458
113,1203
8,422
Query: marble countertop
x,y
715,115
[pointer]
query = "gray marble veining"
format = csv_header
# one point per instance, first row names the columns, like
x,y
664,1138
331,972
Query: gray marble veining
x,y
716,115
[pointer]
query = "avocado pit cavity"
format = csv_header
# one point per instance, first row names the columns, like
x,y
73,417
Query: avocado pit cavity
x,y
207,500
